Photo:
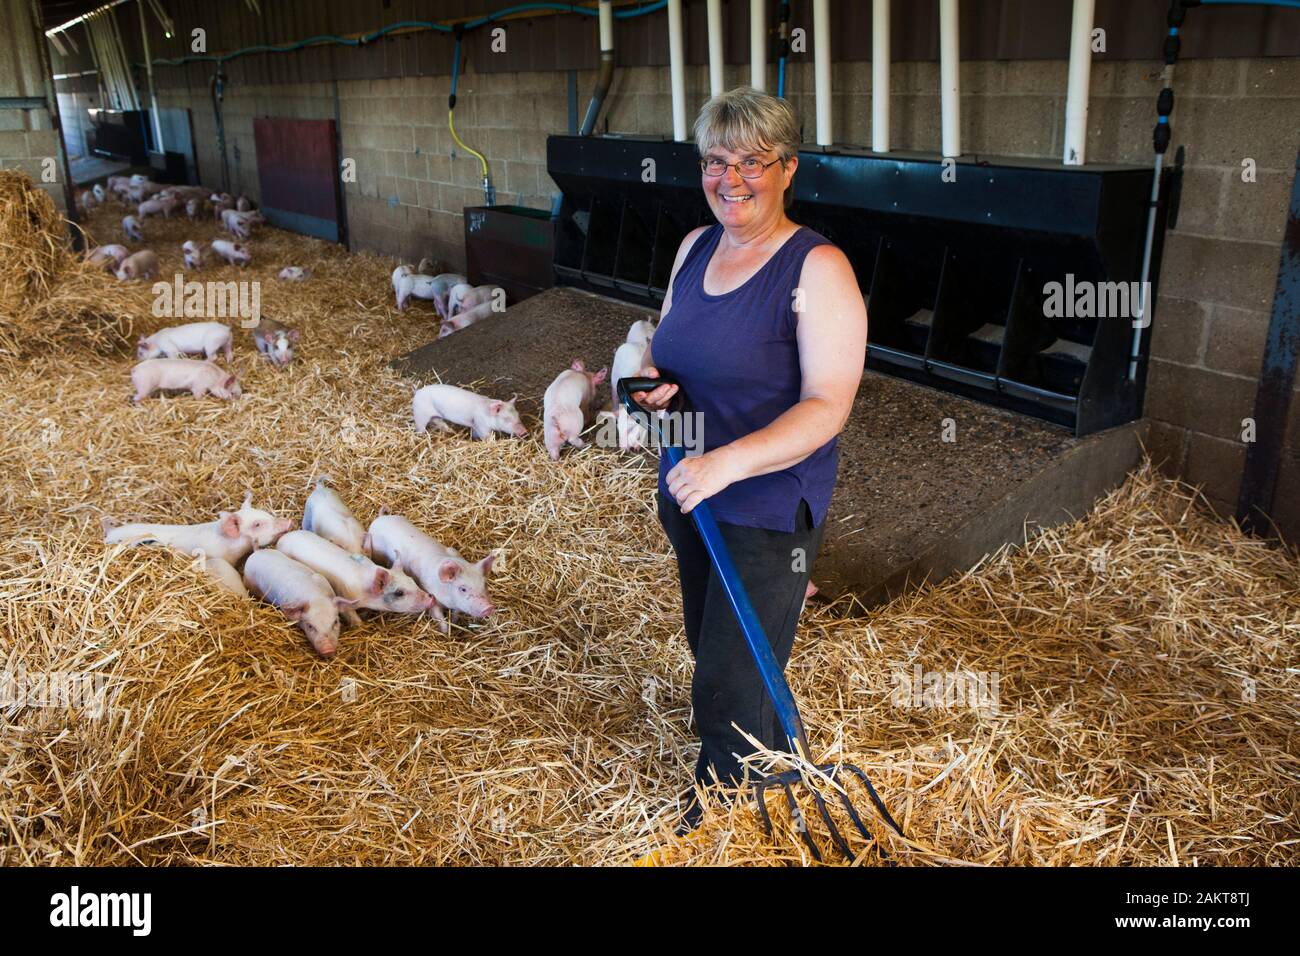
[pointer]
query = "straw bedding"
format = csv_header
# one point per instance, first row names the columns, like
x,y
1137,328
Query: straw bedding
x,y
557,732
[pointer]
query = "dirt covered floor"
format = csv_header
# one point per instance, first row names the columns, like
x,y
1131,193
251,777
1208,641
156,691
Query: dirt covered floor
x,y
901,486
1146,657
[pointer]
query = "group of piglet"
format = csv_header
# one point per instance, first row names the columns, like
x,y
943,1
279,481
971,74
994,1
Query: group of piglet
x,y
164,367
458,303
236,215
566,405
327,569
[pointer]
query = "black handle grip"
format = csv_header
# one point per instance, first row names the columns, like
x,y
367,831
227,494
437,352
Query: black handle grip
x,y
632,383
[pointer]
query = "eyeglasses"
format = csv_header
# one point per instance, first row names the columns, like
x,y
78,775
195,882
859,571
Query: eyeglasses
x,y
748,168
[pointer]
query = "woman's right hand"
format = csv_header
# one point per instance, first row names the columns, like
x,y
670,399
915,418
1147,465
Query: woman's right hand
x,y
657,399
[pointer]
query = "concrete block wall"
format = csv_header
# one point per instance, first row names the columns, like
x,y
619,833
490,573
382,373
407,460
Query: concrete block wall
x,y
1220,263
27,136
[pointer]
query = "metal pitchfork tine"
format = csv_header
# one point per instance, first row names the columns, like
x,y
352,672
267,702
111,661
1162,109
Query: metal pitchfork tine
x,y
768,668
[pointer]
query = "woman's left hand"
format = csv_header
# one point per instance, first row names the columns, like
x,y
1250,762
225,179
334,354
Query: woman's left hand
x,y
694,479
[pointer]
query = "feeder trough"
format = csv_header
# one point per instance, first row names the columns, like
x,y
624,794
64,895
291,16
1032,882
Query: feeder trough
x,y
1011,282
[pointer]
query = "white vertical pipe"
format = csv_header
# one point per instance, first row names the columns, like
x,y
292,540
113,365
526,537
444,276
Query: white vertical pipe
x,y
880,76
606,13
949,78
758,44
677,69
822,70
1076,97
715,47
148,66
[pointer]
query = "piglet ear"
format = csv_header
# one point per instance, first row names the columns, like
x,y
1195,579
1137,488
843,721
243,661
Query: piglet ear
x,y
293,611
495,407
600,376
229,524
448,571
229,382
344,602
381,581
577,366
486,564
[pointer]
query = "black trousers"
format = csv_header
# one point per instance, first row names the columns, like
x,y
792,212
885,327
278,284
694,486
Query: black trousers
x,y
774,566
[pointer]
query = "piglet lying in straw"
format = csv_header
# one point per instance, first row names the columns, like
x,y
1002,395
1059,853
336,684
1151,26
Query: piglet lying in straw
x,y
295,274
222,572
208,339
232,536
439,404
325,514
301,594
356,577
566,405
275,341
190,375
458,585
132,229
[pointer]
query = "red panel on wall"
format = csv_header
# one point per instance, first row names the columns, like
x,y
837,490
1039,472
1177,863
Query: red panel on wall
x,y
298,168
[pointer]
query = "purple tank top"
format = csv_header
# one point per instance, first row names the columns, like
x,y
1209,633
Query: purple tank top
x,y
737,360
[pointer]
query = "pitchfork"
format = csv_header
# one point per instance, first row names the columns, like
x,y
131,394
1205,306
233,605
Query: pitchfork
x,y
768,668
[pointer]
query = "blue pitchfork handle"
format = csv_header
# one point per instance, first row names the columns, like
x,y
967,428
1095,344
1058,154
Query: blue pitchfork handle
x,y
768,668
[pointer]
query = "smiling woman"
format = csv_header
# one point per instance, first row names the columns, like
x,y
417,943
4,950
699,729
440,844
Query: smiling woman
x,y
765,330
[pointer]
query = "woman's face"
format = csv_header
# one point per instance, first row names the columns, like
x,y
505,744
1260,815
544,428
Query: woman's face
x,y
738,202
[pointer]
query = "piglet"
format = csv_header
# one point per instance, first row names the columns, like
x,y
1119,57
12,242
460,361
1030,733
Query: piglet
x,y
356,577
438,404
628,361
464,297
275,341
565,407
159,205
233,535
86,201
326,515
194,208
98,192
244,204
208,339
235,253
295,274
198,378
110,256
223,572
132,229
435,289
301,594
240,224
141,265
456,584
466,318
192,254
641,332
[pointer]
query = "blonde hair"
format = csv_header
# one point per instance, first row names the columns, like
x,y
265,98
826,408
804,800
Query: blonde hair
x,y
748,119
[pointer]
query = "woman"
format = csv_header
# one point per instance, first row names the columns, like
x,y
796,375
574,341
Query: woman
x,y
765,328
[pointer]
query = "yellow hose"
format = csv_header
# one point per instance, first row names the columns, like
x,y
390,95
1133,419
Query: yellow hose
x,y
463,146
